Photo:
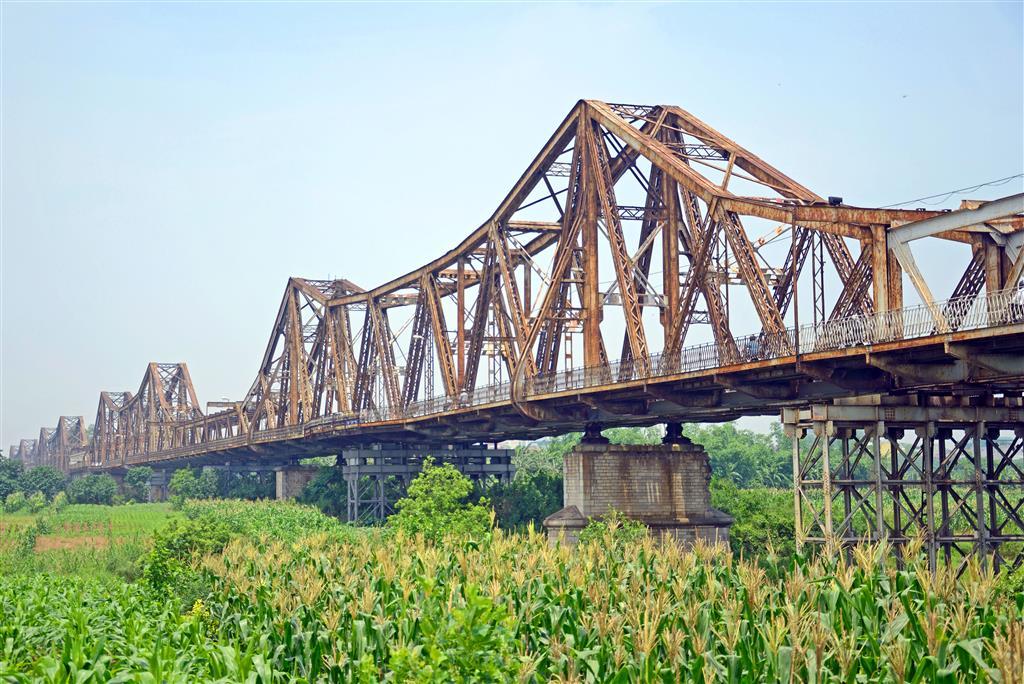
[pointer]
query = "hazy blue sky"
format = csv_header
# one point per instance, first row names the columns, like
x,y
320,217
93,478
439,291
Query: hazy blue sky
x,y
167,167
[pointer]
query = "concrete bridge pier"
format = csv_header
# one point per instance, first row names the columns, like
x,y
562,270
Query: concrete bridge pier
x,y
665,486
289,481
158,482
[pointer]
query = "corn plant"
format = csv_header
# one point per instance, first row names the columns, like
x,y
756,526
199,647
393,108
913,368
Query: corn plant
x,y
382,606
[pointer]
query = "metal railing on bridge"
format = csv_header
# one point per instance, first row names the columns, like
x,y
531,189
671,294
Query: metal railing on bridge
x,y
1005,307
954,315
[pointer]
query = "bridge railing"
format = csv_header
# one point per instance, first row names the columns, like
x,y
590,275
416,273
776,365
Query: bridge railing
x,y
1000,308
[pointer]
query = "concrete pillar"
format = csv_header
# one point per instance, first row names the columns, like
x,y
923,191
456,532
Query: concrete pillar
x,y
664,486
291,480
158,485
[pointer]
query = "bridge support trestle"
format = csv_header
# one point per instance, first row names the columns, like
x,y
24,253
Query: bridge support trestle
x,y
941,470
377,477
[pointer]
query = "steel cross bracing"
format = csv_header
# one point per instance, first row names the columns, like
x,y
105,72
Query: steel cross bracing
x,y
636,230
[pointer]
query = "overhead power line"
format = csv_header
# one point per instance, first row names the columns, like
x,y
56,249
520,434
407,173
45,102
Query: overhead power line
x,y
946,195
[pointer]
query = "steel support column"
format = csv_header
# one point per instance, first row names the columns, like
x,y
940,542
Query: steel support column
x,y
933,468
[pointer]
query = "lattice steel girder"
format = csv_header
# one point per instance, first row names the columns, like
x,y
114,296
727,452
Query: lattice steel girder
x,y
950,475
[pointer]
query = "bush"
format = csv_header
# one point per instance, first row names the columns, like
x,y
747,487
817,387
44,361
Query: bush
x,y
45,479
613,529
247,485
171,564
60,502
282,520
14,502
436,505
36,502
136,483
763,519
527,500
94,489
10,477
327,491
185,485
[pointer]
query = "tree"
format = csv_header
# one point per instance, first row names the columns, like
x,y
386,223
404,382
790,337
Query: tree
x,y
327,491
547,454
45,479
436,505
185,485
136,483
648,435
208,484
748,458
528,499
10,477
246,485
763,518
94,489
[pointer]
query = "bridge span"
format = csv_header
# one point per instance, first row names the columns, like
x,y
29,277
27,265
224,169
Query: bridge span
x,y
724,287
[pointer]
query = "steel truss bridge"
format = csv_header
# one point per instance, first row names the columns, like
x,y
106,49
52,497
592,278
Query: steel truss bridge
x,y
723,287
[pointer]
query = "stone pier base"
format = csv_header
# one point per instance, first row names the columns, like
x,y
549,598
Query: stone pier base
x,y
664,486
158,482
291,480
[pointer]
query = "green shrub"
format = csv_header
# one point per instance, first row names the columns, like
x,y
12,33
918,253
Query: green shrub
x,y
10,477
36,502
171,564
45,479
15,502
281,520
185,485
613,529
247,485
60,502
94,489
762,519
327,491
527,500
436,505
136,483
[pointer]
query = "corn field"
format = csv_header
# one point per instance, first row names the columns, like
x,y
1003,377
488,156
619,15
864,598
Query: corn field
x,y
512,608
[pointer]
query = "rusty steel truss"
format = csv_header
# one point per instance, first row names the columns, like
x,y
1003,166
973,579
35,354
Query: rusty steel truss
x,y
643,268
949,474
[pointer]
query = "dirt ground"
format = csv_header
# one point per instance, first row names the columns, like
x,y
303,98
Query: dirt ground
x,y
50,542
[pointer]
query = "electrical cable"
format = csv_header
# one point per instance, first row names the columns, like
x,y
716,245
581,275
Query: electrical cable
x,y
946,195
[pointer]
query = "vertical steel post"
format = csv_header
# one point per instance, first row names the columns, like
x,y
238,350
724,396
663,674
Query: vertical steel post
x,y
926,434
979,495
876,447
826,430
798,487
